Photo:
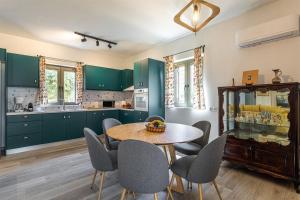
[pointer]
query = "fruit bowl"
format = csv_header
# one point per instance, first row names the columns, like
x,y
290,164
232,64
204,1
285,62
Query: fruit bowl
x,y
156,126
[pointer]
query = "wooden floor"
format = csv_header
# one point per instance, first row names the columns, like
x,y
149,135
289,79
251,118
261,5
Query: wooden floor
x,y
65,173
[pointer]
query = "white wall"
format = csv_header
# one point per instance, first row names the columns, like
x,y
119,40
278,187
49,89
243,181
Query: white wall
x,y
32,47
224,60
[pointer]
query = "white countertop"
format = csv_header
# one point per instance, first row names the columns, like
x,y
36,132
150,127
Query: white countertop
x,y
64,111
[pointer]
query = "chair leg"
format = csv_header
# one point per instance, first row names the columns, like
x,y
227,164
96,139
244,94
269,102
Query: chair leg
x,y
133,194
169,193
102,175
155,196
123,194
218,191
170,185
189,185
200,192
94,178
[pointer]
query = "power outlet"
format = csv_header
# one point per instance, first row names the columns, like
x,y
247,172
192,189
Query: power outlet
x,y
213,109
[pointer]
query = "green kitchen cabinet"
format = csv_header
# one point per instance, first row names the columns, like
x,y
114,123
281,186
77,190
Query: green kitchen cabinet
x,y
22,71
75,123
3,55
23,130
126,78
140,116
94,119
141,74
100,78
54,127
127,116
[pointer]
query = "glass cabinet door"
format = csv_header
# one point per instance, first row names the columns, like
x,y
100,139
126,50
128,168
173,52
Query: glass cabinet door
x,y
258,115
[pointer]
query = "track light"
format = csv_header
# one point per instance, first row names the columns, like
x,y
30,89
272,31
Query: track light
x,y
83,39
98,40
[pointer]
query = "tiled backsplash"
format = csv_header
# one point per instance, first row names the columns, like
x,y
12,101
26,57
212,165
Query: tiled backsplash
x,y
30,95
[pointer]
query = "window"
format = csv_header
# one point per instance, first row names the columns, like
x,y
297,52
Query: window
x,y
61,84
183,83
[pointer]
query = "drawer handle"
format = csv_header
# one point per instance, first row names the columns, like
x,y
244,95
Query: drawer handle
x,y
25,116
94,113
25,125
26,138
69,117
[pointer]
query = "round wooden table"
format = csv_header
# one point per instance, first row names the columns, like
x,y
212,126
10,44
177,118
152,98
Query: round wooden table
x,y
174,133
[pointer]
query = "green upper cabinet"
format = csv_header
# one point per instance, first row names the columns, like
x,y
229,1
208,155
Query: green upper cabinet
x,y
126,78
22,71
100,78
2,55
141,74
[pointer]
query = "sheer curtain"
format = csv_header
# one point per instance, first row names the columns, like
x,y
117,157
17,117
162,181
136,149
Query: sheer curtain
x,y
169,82
198,93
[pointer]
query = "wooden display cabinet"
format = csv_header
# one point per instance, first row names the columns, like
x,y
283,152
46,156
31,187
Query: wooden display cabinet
x,y
262,123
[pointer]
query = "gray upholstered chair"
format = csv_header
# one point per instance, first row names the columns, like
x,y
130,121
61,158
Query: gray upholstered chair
x,y
154,117
142,168
108,123
102,160
204,167
193,148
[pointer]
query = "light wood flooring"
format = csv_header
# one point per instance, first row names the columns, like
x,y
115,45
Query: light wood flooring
x,y
65,173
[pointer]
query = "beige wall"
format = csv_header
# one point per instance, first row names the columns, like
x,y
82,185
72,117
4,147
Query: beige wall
x,y
32,47
224,60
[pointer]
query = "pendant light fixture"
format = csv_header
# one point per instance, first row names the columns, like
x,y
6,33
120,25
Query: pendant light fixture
x,y
196,5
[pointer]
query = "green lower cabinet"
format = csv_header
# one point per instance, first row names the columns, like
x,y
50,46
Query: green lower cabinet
x,y
93,121
23,130
75,124
140,116
24,140
54,127
127,117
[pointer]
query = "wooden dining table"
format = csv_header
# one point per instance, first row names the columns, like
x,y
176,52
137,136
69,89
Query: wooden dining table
x,y
174,133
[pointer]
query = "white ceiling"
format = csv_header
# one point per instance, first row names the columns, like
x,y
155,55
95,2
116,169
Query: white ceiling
x,y
135,24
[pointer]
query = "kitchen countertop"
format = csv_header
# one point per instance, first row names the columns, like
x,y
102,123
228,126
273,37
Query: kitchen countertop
x,y
65,111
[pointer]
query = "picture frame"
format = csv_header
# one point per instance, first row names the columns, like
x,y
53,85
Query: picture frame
x,y
250,77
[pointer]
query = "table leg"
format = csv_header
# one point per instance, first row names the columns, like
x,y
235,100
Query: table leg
x,y
179,184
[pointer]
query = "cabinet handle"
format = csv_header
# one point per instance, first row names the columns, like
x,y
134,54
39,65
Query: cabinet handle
x,y
35,81
69,117
25,125
26,116
94,113
64,117
26,138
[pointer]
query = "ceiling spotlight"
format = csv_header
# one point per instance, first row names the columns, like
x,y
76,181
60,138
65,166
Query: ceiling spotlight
x,y
97,43
109,46
83,39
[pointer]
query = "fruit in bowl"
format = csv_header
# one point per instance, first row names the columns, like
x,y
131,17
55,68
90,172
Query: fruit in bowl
x,y
156,126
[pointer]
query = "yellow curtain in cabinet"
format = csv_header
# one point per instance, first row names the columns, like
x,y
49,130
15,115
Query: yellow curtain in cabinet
x,y
169,82
79,83
198,93
43,94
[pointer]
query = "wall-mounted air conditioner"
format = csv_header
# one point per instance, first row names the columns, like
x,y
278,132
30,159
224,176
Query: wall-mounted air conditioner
x,y
274,30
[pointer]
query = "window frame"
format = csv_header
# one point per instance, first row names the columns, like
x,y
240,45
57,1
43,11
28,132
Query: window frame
x,y
188,65
60,79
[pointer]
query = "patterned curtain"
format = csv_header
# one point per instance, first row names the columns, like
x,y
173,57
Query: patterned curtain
x,y
198,93
43,94
79,83
169,84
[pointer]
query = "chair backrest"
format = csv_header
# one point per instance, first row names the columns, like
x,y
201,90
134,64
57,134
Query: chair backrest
x,y
142,167
98,154
154,117
205,126
206,165
107,124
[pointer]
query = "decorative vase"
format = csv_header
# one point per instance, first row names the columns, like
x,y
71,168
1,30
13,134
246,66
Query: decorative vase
x,y
277,78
